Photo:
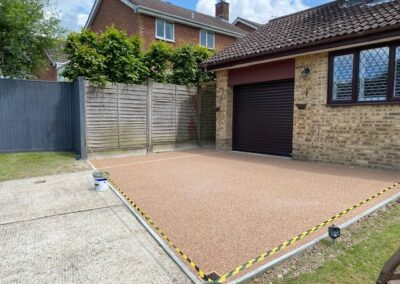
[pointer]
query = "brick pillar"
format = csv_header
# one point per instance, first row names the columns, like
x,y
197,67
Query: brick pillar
x,y
224,115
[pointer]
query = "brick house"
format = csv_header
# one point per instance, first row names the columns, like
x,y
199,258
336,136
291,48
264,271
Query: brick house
x,y
55,63
322,84
158,20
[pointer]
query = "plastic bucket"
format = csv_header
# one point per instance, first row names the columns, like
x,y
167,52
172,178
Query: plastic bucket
x,y
100,181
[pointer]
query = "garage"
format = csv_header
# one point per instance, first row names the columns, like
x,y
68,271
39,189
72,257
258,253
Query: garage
x,y
263,118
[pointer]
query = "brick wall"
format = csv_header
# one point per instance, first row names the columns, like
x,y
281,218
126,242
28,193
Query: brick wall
x,y
114,12
245,27
49,73
354,135
224,102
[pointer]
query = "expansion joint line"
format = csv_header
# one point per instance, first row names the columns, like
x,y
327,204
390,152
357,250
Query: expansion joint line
x,y
225,277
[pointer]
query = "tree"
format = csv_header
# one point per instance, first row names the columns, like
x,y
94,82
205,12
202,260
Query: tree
x,y
186,62
157,60
84,58
122,57
26,29
109,57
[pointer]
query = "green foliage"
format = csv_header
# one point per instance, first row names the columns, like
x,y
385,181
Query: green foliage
x,y
157,60
26,29
186,62
84,58
122,57
115,57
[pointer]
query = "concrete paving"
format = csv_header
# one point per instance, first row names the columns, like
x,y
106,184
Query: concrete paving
x,y
57,229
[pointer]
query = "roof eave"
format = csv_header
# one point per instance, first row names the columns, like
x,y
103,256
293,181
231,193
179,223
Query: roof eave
x,y
343,41
181,20
93,13
247,23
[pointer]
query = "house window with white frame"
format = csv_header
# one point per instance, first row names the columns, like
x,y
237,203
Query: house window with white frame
x,y
207,39
165,30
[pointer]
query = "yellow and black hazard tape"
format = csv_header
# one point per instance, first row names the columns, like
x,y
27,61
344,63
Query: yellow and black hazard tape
x,y
221,279
200,272
301,236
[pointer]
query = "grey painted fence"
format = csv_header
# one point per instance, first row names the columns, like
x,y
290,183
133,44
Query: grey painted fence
x,y
40,116
153,117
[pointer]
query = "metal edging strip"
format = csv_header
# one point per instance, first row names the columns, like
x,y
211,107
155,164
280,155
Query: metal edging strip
x,y
155,236
269,265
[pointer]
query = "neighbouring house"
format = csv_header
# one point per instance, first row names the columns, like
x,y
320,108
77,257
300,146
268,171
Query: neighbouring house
x,y
158,20
322,84
56,60
248,26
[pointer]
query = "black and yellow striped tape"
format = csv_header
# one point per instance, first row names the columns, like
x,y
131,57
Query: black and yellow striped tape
x,y
202,275
200,272
299,237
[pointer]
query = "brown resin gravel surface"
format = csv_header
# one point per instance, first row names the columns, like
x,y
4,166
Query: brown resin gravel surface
x,y
222,209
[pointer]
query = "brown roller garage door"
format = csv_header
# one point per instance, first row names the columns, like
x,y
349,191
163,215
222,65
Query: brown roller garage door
x,y
263,118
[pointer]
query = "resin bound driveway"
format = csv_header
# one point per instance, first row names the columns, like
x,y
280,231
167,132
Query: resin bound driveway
x,y
57,229
223,209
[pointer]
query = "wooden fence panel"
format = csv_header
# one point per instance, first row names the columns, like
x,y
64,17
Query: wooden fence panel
x,y
101,118
132,116
118,118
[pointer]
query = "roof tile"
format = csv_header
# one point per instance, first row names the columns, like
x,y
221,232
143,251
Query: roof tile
x,y
167,8
330,20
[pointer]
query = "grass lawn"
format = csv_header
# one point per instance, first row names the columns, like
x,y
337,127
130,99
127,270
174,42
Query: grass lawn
x,y
357,257
24,165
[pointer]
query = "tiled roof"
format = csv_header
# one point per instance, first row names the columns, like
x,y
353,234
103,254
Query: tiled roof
x,y
173,10
310,27
56,54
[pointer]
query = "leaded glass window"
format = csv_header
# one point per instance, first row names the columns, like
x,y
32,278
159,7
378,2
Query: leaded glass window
x,y
342,82
397,73
373,74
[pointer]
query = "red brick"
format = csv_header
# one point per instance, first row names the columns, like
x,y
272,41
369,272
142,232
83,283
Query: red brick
x,y
114,12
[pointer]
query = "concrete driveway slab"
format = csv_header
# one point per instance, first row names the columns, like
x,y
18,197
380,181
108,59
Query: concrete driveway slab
x,y
62,231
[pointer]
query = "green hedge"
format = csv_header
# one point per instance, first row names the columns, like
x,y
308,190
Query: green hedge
x,y
114,57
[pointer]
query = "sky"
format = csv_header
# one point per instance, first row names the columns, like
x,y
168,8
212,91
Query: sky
x,y
74,13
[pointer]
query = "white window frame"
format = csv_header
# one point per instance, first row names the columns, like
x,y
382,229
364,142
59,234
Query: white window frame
x,y
207,32
165,30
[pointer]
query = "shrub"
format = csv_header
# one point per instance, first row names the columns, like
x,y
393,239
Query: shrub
x,y
186,62
121,53
84,58
117,58
158,60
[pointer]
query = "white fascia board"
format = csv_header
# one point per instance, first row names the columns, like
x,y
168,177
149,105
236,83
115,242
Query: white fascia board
x,y
93,13
176,19
238,20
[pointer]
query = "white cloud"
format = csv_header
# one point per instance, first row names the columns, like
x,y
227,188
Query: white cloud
x,y
73,13
260,11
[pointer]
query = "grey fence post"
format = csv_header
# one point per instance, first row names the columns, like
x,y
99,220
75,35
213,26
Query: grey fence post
x,y
149,116
82,117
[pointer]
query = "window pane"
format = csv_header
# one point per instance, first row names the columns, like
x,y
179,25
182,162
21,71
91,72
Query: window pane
x,y
160,28
342,77
210,40
169,31
203,38
373,76
397,74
